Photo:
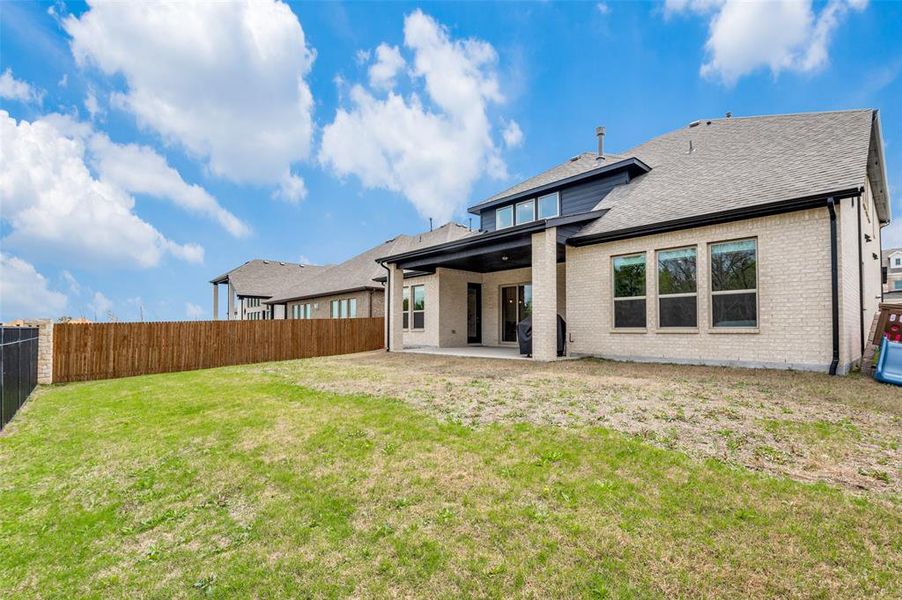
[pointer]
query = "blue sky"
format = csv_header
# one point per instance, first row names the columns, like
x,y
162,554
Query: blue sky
x,y
146,150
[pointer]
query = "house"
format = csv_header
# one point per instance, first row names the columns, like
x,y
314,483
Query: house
x,y
735,241
249,285
352,288
892,262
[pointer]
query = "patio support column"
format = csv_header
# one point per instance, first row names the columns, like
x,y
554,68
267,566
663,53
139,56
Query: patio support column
x,y
544,294
394,308
215,301
231,303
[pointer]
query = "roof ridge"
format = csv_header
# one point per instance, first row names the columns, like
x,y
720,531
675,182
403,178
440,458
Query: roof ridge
x,y
792,114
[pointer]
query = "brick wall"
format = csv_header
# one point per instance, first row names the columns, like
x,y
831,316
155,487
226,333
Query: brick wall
x,y
794,297
544,294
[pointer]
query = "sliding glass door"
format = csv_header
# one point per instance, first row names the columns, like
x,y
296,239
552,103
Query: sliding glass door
x,y
516,305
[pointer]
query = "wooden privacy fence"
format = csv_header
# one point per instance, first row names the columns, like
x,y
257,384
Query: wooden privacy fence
x,y
87,351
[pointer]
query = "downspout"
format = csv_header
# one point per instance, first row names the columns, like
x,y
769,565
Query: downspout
x,y
388,305
834,281
860,278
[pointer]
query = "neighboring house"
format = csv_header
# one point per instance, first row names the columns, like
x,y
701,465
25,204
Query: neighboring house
x,y
254,282
892,262
745,241
352,288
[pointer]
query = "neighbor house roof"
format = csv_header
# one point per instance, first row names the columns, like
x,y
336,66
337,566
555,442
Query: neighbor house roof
x,y
721,165
360,272
259,277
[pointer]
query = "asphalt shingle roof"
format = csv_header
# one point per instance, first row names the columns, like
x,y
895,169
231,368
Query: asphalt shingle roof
x,y
739,162
259,277
360,271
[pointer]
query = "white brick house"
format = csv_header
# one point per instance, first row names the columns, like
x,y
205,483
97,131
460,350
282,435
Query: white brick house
x,y
745,241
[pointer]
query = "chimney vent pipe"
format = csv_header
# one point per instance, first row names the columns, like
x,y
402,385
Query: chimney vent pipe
x,y
599,133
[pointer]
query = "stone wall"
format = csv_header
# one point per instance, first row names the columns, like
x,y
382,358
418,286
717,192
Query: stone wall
x,y
45,347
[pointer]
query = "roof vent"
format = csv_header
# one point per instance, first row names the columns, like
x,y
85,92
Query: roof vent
x,y
599,133
729,115
574,158
281,263
695,124
265,262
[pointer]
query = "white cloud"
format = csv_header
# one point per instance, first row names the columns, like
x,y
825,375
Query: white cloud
x,y
193,311
64,81
92,105
102,307
14,89
291,189
602,8
73,284
781,35
58,210
513,135
140,170
223,79
386,67
24,292
430,150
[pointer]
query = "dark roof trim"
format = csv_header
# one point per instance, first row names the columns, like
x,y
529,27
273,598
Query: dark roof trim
x,y
409,275
493,236
361,288
634,165
727,216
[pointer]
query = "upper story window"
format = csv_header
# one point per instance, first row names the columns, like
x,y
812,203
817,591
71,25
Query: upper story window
x,y
549,206
897,262
504,217
734,284
526,211
629,290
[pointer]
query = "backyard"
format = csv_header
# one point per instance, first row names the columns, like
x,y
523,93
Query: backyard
x,y
411,475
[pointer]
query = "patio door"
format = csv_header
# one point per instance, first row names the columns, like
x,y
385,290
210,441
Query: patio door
x,y
474,313
516,305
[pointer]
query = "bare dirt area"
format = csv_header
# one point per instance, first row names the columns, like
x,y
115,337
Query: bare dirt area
x,y
808,426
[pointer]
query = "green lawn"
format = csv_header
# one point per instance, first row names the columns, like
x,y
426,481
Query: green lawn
x,y
237,482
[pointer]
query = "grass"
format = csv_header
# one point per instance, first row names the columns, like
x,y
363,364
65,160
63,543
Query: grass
x,y
237,482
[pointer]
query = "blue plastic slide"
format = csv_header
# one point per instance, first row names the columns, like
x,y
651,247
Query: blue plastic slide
x,y
889,366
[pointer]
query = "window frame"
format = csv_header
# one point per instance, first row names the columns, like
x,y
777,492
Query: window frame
x,y
679,295
352,308
557,204
405,311
509,207
615,299
711,293
334,310
531,202
414,311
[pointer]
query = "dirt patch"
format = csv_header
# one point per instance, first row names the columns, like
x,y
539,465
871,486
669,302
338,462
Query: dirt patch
x,y
808,426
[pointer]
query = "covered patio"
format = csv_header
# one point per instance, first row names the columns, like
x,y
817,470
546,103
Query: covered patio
x,y
466,298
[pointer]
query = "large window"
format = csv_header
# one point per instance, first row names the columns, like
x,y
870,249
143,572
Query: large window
x,y
677,288
734,284
504,217
352,308
414,312
629,290
526,211
300,311
345,308
549,206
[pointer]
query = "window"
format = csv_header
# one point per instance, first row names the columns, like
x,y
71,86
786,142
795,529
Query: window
x,y
344,308
629,291
335,309
897,262
295,311
307,312
504,217
897,284
418,312
734,284
352,307
677,288
405,308
549,206
300,311
526,211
